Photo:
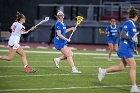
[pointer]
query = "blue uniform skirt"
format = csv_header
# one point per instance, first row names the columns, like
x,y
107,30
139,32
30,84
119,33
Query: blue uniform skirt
x,y
113,40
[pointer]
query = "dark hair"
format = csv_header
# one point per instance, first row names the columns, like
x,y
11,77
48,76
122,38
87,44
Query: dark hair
x,y
19,16
132,12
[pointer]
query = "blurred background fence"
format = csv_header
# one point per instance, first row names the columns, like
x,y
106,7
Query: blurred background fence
x,y
97,14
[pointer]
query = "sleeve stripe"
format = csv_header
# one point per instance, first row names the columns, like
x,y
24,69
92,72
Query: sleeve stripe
x,y
23,30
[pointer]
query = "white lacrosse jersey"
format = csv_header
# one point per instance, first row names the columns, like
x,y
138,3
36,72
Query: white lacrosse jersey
x,y
17,30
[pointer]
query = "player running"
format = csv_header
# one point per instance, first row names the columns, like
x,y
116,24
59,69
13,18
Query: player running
x,y
128,38
112,32
17,29
61,42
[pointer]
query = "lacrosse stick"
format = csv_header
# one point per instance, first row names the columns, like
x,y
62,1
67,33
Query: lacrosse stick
x,y
101,31
135,43
41,22
78,21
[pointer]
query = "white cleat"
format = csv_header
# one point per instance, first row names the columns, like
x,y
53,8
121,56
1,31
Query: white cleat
x,y
76,71
101,74
56,62
109,59
135,90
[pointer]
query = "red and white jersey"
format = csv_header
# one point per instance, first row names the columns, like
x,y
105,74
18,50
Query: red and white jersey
x,y
17,30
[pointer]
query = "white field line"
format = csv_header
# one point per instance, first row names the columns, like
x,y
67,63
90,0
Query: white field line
x,y
54,66
107,58
76,53
44,66
45,75
66,88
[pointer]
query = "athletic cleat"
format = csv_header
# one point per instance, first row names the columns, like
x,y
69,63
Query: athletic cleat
x,y
135,90
76,71
109,59
101,74
56,62
29,70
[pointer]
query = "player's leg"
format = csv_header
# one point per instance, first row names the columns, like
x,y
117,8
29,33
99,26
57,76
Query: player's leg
x,y
57,60
11,55
115,47
21,52
110,51
115,44
68,53
132,63
119,67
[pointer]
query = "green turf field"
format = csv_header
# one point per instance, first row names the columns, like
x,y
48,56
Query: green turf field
x,y
49,79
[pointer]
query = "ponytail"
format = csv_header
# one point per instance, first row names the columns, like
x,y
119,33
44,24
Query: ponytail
x,y
132,12
19,16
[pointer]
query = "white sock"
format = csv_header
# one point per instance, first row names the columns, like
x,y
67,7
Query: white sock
x,y
104,71
25,66
58,60
74,68
134,86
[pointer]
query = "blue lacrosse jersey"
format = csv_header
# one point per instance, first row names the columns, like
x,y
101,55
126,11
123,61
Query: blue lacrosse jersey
x,y
58,42
112,32
127,46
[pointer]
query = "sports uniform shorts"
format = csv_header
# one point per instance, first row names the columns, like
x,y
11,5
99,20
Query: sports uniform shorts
x,y
126,53
112,40
60,45
13,45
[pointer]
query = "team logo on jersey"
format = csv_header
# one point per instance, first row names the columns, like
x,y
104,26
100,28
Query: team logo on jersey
x,y
58,27
134,30
125,26
125,42
113,30
64,27
57,37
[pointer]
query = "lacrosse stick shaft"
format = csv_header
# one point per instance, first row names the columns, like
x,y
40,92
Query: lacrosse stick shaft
x,y
135,44
135,49
46,19
73,31
35,27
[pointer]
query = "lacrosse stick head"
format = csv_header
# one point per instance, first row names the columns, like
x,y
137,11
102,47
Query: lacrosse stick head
x,y
79,19
46,18
101,31
136,52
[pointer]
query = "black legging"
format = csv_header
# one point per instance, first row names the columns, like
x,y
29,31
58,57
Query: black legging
x,y
52,35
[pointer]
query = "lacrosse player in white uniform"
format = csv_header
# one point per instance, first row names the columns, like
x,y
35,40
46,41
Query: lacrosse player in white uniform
x,y
17,29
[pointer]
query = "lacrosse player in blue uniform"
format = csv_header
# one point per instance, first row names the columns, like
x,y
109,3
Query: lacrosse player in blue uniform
x,y
112,32
61,42
125,51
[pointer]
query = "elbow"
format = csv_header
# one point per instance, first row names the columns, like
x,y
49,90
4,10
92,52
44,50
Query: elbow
x,y
59,35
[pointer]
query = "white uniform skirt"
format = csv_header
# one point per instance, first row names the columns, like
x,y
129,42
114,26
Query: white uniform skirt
x,y
14,42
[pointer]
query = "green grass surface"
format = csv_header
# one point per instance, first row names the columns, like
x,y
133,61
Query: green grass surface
x,y
49,79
